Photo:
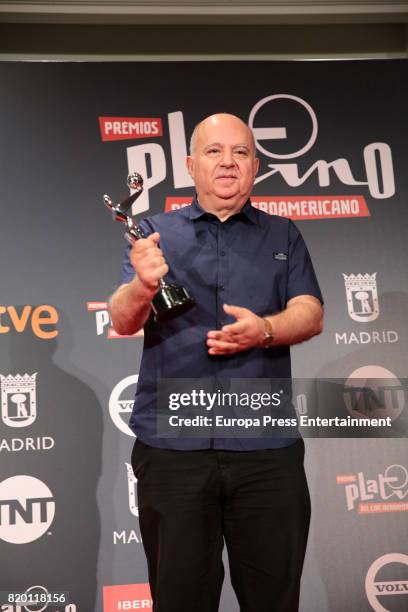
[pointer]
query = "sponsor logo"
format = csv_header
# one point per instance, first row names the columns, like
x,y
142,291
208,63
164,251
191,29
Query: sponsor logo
x,y
40,318
282,163
19,409
27,509
373,495
378,591
363,307
18,399
362,297
124,128
121,403
120,597
374,392
103,321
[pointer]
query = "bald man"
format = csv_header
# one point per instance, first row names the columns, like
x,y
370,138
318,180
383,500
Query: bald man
x,y
256,294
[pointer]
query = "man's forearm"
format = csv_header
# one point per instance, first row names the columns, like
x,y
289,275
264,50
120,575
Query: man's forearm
x,y
130,307
296,323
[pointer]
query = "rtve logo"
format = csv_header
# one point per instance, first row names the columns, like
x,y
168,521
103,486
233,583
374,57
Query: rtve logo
x,y
27,509
39,318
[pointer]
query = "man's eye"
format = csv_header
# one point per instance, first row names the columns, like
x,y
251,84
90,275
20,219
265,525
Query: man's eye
x,y
241,152
213,150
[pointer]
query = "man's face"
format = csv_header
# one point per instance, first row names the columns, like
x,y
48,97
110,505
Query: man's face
x,y
223,165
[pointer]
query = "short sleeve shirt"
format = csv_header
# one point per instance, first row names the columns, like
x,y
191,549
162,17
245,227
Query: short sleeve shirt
x,y
254,260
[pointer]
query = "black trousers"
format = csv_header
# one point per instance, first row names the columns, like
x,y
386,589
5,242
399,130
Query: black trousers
x,y
191,501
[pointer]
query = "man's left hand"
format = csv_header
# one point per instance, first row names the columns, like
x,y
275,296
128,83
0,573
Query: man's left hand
x,y
245,333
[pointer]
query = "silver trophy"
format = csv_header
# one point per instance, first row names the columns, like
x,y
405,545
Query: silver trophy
x,y
171,300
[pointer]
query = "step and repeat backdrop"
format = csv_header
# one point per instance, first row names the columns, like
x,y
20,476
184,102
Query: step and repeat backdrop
x,y
332,142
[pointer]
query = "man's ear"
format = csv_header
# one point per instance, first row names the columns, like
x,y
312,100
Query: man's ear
x,y
256,160
190,165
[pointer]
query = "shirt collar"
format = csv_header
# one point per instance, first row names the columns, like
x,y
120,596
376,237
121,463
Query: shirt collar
x,y
247,210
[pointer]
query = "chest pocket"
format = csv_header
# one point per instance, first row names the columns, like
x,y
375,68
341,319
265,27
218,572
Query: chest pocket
x,y
258,280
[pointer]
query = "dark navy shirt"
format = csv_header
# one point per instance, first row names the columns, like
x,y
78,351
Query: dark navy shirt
x,y
253,259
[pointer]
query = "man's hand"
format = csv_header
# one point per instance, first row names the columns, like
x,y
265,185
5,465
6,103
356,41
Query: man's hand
x,y
130,305
148,261
245,333
300,320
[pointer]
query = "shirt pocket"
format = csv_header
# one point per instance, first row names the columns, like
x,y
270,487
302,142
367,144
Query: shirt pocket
x,y
259,280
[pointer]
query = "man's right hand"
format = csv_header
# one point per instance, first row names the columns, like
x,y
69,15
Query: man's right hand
x,y
130,305
148,261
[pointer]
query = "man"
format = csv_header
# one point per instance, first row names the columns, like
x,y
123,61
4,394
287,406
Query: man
x,y
256,294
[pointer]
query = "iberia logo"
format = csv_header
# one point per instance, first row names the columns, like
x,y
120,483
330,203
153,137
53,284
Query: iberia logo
x,y
127,597
297,207
103,321
124,128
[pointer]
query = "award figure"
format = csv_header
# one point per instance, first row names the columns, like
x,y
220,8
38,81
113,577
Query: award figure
x,y
171,300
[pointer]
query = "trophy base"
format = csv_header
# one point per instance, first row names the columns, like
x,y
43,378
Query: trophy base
x,y
170,302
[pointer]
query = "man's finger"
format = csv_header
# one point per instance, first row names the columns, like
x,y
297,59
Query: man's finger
x,y
155,237
145,245
217,334
162,271
223,344
220,335
236,311
214,350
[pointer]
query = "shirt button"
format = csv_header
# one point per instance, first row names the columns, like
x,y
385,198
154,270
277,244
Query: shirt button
x,y
222,253
221,287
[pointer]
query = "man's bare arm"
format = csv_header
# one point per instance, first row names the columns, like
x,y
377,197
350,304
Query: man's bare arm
x,y
301,319
130,305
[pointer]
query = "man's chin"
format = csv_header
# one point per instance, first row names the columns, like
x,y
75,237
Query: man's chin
x,y
228,195
232,200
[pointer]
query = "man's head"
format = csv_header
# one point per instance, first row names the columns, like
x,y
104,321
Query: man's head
x,y
222,163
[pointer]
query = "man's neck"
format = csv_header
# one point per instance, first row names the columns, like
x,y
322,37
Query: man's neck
x,y
222,210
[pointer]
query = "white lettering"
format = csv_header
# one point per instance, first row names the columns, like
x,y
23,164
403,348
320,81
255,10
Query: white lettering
x,y
102,320
137,162
365,337
382,169
27,444
126,538
178,148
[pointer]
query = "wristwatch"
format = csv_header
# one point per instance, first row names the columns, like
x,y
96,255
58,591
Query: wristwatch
x,y
268,336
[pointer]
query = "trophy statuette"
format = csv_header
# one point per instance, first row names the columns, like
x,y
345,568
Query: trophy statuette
x,y
171,300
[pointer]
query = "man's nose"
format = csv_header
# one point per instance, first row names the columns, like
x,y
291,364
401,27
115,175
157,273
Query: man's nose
x,y
227,158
